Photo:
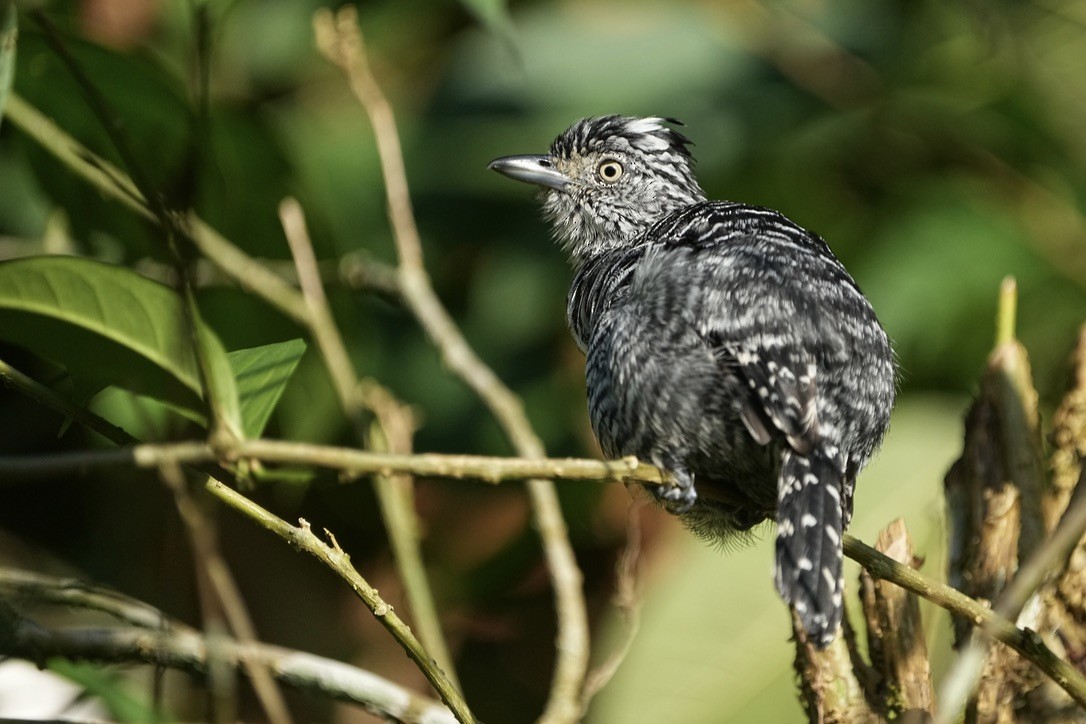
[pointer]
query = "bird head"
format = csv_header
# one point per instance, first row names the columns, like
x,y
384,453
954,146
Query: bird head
x,y
608,179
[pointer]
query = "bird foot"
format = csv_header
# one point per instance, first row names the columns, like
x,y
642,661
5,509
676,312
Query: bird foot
x,y
680,497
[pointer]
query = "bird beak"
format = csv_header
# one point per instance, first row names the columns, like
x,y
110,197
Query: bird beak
x,y
538,170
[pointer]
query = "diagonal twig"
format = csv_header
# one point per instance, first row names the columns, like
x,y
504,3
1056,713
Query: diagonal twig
x,y
153,637
299,537
393,431
1026,642
219,591
250,274
340,40
396,496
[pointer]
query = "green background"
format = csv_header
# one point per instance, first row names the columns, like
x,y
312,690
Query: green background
x,y
936,146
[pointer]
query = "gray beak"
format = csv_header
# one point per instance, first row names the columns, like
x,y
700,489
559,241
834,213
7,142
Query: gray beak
x,y
538,170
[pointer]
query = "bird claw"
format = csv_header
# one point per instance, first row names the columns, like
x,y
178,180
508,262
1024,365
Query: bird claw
x,y
678,498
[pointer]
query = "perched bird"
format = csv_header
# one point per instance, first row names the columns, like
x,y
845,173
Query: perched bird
x,y
724,343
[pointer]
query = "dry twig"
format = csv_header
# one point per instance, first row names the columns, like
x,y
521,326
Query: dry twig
x,y
219,593
895,633
494,470
340,40
154,638
396,497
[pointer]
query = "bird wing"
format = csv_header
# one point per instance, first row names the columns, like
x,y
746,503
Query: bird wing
x,y
749,286
782,386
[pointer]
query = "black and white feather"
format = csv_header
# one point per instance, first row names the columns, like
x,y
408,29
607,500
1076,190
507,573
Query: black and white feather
x,y
724,343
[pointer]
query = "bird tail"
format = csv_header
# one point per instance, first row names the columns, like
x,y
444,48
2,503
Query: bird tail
x,y
810,524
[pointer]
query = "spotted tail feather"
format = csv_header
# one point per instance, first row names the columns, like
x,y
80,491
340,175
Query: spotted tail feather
x,y
809,529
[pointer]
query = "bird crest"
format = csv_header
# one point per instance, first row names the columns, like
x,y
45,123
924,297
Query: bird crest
x,y
650,135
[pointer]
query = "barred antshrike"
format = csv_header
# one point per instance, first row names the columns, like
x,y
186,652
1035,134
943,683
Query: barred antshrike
x,y
724,343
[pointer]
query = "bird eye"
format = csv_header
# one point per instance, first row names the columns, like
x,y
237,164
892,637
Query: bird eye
x,y
609,171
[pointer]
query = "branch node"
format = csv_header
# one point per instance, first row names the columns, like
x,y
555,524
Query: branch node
x,y
335,543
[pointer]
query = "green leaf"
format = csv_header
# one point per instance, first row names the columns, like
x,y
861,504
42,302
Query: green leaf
x,y
222,388
110,687
105,324
262,374
9,34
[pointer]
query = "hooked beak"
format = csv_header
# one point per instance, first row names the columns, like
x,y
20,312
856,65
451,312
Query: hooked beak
x,y
538,170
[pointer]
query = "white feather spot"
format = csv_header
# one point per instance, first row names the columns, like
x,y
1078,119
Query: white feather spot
x,y
650,124
808,521
804,564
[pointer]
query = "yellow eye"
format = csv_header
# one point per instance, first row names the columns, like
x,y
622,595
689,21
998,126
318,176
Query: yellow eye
x,y
609,171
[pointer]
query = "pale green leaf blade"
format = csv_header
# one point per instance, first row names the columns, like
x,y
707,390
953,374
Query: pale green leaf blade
x,y
222,387
106,324
109,687
262,374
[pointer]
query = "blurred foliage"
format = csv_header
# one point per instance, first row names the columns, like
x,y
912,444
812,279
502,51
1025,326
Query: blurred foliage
x,y
936,146
9,32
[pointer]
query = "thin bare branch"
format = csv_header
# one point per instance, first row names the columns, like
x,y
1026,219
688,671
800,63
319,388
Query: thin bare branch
x,y
395,494
16,380
880,566
1024,641
353,462
355,270
25,588
320,321
115,184
213,575
340,40
300,538
393,431
172,644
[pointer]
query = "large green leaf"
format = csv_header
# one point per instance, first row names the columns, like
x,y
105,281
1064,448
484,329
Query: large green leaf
x,y
106,324
262,374
9,33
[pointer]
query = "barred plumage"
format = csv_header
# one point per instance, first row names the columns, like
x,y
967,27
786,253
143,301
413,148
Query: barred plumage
x,y
723,342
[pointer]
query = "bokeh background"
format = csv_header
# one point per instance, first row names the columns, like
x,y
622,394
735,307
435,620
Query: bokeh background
x,y
937,146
